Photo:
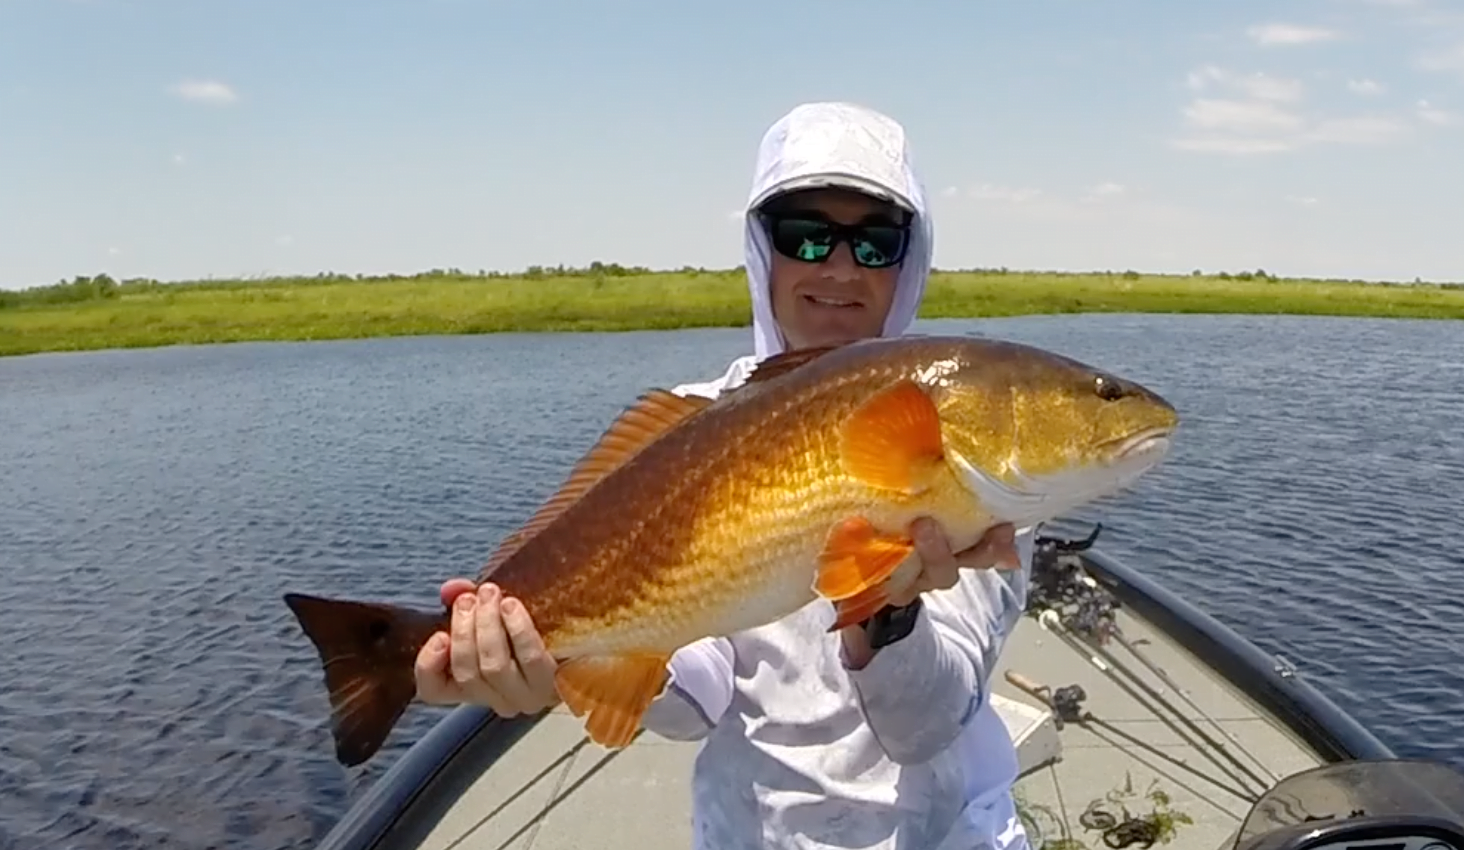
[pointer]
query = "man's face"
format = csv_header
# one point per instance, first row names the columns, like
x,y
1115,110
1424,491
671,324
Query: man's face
x,y
836,300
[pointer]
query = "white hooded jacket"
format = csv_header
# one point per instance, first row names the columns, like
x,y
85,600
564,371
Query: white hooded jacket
x,y
799,751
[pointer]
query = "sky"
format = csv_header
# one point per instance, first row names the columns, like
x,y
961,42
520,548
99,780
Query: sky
x,y
187,139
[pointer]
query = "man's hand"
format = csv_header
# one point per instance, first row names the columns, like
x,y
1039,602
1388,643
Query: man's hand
x,y
939,570
493,655
940,567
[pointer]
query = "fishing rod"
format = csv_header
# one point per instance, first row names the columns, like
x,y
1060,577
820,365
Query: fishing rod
x,y
1093,618
1183,694
1116,632
1066,707
1053,624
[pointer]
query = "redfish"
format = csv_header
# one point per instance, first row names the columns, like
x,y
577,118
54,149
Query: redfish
x,y
692,517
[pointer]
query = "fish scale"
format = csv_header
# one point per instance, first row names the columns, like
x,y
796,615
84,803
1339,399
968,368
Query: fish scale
x,y
692,518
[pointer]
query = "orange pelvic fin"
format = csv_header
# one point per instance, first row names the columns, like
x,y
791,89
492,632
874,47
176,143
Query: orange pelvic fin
x,y
642,423
613,690
893,441
857,557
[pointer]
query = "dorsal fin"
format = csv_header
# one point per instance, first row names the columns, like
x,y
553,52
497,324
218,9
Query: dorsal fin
x,y
642,423
786,361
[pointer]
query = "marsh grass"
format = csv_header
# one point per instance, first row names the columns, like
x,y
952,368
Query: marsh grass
x,y
94,313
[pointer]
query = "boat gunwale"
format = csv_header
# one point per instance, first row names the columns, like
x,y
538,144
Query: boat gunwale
x,y
1281,693
451,756
447,759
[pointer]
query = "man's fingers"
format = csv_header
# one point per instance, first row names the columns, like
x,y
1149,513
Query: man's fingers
x,y
931,543
1003,547
433,682
997,548
453,588
533,657
434,655
464,639
491,644
1008,558
510,692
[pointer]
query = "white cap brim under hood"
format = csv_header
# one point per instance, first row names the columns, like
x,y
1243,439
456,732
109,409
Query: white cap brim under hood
x,y
849,146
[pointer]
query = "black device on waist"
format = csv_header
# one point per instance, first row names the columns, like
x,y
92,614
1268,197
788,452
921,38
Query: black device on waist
x,y
891,624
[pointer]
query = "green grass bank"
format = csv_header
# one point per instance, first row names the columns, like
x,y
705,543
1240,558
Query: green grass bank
x,y
95,313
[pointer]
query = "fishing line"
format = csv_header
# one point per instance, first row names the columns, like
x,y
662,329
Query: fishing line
x,y
1062,582
1271,778
1065,707
555,795
1065,580
1199,746
1103,656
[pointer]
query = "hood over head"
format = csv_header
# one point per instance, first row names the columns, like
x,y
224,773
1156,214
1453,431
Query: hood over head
x,y
845,145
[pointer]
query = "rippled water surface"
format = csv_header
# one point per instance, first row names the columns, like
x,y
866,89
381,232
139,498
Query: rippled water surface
x,y
156,504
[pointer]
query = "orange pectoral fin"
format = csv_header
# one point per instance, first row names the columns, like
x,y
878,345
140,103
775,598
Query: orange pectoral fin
x,y
859,607
856,558
613,690
894,441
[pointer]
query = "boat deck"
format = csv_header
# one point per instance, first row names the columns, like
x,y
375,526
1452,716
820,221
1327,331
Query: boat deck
x,y
1132,746
555,791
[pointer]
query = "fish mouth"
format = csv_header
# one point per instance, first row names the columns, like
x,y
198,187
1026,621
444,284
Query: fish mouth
x,y
1151,441
1024,498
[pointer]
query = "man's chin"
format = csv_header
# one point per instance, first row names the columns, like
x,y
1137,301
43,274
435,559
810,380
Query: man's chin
x,y
833,336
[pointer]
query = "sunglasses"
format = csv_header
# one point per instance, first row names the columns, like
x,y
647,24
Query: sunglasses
x,y
813,240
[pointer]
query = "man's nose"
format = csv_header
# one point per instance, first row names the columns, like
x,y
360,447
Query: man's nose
x,y
840,263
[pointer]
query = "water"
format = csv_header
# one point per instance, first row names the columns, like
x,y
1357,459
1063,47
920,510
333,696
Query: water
x,y
157,503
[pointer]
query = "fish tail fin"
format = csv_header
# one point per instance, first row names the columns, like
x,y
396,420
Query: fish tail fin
x,y
368,653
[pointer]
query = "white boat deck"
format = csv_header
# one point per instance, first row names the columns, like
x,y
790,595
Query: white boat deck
x,y
555,791
1132,744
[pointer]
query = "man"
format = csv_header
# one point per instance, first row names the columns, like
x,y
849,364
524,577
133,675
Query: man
x,y
880,736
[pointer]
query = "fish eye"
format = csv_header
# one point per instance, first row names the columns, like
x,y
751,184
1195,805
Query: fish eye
x,y
1108,388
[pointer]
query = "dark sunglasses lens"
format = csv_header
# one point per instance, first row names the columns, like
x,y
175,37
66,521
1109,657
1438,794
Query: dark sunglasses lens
x,y
802,239
879,247
811,240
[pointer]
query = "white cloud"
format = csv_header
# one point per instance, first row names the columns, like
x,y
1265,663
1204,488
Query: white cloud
x,y
179,159
1044,202
1232,145
1240,116
1366,87
950,191
1362,130
1106,189
1257,85
1271,35
1260,114
1006,194
204,91
1302,200
1266,87
1430,114
1449,60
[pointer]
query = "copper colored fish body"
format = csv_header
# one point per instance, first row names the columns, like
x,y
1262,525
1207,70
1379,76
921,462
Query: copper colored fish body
x,y
692,518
